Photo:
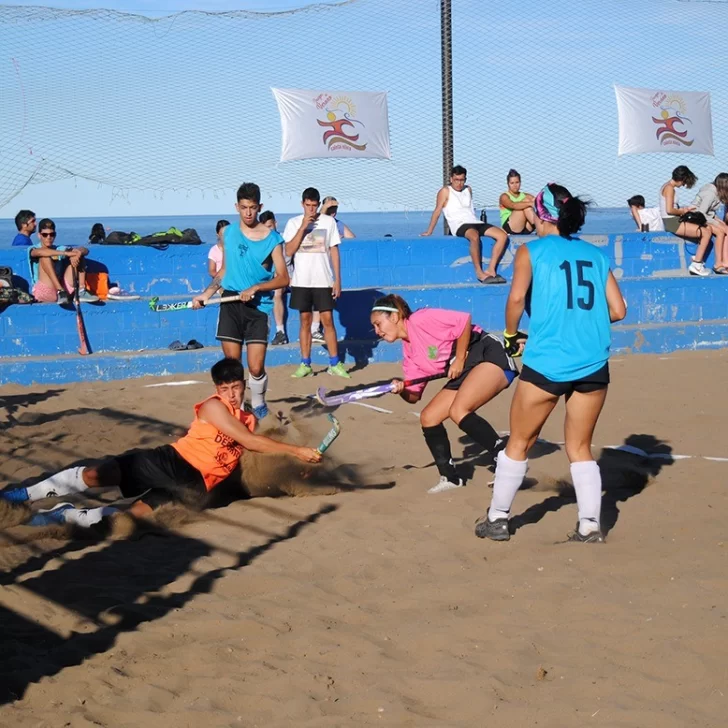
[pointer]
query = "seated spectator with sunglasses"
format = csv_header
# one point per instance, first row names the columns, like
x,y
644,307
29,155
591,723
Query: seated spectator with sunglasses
x,y
50,265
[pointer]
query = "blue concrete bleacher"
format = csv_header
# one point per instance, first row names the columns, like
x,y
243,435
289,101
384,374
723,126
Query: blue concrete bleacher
x,y
668,309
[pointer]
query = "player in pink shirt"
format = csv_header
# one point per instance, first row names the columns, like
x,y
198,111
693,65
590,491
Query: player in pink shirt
x,y
435,341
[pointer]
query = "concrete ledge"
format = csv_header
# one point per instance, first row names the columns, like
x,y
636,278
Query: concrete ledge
x,y
636,339
75,368
668,309
48,329
182,269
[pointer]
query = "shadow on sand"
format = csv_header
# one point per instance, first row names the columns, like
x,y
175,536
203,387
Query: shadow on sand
x,y
625,474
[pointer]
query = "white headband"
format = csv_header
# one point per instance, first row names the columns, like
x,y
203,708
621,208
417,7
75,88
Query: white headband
x,y
391,309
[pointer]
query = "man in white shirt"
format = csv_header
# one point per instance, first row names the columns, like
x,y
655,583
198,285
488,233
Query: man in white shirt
x,y
312,241
456,202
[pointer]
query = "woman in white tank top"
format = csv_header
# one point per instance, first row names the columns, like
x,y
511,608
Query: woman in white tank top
x,y
683,177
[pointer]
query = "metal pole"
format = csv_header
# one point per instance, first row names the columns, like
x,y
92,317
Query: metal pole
x,y
446,51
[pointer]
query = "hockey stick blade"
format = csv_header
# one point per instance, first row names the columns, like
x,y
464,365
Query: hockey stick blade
x,y
334,400
330,436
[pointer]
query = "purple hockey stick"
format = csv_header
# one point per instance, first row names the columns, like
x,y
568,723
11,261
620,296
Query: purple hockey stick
x,y
337,399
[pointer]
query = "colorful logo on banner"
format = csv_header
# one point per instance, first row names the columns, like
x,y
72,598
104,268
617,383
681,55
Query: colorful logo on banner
x,y
339,119
673,126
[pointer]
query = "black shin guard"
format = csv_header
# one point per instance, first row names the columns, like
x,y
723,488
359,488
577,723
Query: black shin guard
x,y
479,430
439,444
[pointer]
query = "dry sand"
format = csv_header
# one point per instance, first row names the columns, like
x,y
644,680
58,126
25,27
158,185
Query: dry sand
x,y
378,606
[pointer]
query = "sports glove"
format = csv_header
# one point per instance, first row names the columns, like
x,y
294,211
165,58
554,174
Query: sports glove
x,y
511,342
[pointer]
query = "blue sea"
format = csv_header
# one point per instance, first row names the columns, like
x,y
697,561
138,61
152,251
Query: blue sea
x,y
365,225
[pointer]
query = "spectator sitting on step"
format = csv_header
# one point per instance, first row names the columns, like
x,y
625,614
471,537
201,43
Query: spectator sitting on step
x,y
214,257
456,202
98,234
25,223
709,198
49,265
672,214
647,218
516,208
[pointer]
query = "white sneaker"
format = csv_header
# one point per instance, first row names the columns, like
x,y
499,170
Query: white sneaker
x,y
318,338
445,484
698,269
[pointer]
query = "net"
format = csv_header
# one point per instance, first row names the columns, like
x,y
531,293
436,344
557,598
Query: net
x,y
184,102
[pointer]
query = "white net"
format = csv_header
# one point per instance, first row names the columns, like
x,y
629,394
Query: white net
x,y
184,102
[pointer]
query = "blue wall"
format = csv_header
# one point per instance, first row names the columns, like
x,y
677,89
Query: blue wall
x,y
668,309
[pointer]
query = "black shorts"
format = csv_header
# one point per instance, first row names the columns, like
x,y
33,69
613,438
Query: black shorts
x,y
163,474
525,230
590,383
485,347
241,322
481,227
306,300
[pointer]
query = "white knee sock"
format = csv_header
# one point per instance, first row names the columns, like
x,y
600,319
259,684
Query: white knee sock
x,y
588,487
86,517
64,483
280,328
509,475
314,328
257,389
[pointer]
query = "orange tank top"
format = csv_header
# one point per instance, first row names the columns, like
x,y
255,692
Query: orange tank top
x,y
213,453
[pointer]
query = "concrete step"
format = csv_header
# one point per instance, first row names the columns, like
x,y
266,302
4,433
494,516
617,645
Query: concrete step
x,y
61,369
182,270
49,329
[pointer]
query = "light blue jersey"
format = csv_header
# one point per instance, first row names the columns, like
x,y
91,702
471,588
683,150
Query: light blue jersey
x,y
244,260
569,334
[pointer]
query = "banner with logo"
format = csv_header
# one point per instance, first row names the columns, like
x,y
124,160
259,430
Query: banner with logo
x,y
654,120
318,123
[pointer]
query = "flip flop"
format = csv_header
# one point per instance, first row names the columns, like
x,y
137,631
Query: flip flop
x,y
194,344
720,270
490,280
177,345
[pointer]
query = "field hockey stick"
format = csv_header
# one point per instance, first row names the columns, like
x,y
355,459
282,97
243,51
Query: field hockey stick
x,y
336,399
330,436
154,304
84,349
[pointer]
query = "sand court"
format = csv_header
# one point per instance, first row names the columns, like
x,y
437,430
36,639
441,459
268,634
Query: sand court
x,y
370,602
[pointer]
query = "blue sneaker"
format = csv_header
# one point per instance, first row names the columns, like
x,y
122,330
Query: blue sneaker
x,y
14,495
260,412
51,516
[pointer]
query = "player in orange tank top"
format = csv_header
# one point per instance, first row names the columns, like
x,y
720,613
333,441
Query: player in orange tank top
x,y
183,472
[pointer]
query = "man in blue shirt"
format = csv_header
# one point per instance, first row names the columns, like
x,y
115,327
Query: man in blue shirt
x,y
252,268
25,223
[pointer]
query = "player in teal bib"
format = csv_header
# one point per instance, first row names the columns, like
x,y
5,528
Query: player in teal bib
x,y
252,268
569,332
573,299
248,263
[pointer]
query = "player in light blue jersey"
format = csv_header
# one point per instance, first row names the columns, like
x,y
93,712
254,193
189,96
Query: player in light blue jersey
x,y
573,299
252,268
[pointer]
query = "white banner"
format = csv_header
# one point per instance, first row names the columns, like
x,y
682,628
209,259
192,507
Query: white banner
x,y
651,120
333,124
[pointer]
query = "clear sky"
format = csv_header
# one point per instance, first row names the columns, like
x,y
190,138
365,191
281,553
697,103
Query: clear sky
x,y
533,89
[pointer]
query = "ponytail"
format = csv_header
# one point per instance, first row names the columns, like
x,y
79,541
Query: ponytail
x,y
392,303
572,214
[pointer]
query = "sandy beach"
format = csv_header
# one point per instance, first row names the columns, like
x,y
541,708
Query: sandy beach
x,y
376,605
